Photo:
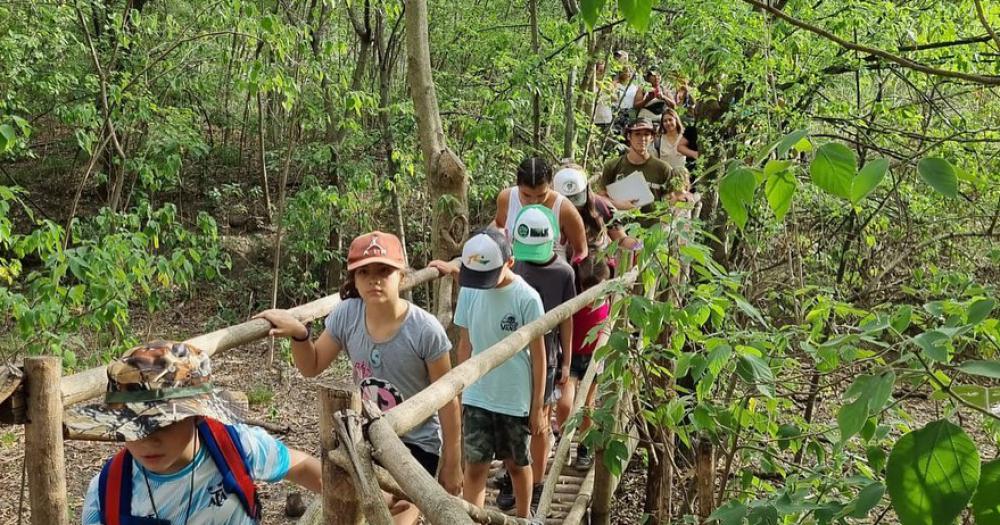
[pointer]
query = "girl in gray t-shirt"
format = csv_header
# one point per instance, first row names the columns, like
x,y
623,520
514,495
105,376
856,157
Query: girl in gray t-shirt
x,y
396,350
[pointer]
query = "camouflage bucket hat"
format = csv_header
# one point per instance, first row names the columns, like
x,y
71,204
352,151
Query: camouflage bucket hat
x,y
150,387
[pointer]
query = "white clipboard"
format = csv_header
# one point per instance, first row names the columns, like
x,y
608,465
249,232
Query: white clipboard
x,y
631,188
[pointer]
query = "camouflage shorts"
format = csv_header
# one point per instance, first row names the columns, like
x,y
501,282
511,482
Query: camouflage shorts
x,y
487,434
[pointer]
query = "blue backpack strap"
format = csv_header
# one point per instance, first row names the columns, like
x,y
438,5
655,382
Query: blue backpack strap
x,y
223,445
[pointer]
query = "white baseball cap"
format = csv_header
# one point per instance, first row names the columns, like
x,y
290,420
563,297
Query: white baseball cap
x,y
572,183
483,258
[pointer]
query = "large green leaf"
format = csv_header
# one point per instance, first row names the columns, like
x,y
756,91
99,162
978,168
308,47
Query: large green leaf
x,y
736,192
833,169
731,513
788,141
986,502
867,499
780,187
637,13
989,369
867,179
932,474
851,418
940,174
756,371
934,343
590,10
980,310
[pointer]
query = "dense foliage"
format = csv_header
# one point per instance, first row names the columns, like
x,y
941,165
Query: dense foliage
x,y
830,328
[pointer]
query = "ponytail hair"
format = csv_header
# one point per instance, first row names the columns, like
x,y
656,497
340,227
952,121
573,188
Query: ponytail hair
x,y
533,172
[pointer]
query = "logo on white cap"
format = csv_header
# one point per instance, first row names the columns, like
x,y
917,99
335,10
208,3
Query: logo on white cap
x,y
570,181
533,226
481,254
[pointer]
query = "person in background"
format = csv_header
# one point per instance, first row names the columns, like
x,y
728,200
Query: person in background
x,y
639,134
597,212
186,457
534,186
396,349
590,273
653,98
671,147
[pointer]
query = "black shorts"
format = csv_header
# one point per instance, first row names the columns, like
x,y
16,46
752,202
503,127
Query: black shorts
x,y
428,460
487,435
578,365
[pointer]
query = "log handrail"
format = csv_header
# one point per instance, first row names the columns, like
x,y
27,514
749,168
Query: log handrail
x,y
93,382
415,410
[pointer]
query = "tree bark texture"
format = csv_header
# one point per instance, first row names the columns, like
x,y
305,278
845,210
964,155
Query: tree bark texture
x,y
43,439
447,179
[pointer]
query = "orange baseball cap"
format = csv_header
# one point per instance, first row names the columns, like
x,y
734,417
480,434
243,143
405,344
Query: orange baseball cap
x,y
376,247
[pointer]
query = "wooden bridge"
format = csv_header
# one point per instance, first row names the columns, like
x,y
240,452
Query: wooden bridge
x,y
356,463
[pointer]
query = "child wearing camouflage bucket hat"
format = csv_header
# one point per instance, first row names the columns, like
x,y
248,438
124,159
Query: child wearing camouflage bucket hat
x,y
186,458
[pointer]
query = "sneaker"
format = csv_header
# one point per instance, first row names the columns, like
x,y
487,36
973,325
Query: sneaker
x,y
505,499
536,496
496,479
584,460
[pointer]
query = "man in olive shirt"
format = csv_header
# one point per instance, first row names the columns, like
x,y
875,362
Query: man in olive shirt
x,y
639,134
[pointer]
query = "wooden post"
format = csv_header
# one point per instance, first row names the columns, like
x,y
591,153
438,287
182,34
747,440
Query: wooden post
x,y
43,442
340,499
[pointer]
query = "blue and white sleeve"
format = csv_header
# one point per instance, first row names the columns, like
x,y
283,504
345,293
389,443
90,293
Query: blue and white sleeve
x,y
268,458
91,506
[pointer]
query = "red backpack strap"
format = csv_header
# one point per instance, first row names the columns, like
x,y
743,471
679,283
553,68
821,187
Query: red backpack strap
x,y
223,444
114,489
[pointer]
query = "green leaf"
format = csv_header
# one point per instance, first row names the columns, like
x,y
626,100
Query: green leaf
x,y
980,310
901,319
788,141
590,10
755,370
868,179
932,474
731,513
780,187
833,169
867,499
736,192
934,343
986,502
881,392
6,137
989,369
267,23
637,13
851,418
940,174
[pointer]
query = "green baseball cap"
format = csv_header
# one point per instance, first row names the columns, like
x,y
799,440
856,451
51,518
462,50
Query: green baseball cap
x,y
535,232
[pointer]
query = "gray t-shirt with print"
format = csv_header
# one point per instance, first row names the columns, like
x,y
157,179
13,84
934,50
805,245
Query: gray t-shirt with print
x,y
392,371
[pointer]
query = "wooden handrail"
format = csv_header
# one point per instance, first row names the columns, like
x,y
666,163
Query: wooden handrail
x,y
93,382
415,410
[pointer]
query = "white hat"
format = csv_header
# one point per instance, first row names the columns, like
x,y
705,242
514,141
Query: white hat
x,y
483,258
572,183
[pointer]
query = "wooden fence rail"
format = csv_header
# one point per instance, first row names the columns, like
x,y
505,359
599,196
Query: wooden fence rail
x,y
93,382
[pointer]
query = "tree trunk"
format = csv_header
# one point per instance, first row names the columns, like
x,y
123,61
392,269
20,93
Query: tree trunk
x,y
536,103
447,179
569,139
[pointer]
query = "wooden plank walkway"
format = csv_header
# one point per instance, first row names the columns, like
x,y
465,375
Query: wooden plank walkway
x,y
567,487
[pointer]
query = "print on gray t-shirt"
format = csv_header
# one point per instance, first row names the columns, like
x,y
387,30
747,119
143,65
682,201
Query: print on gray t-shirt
x,y
393,371
555,283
